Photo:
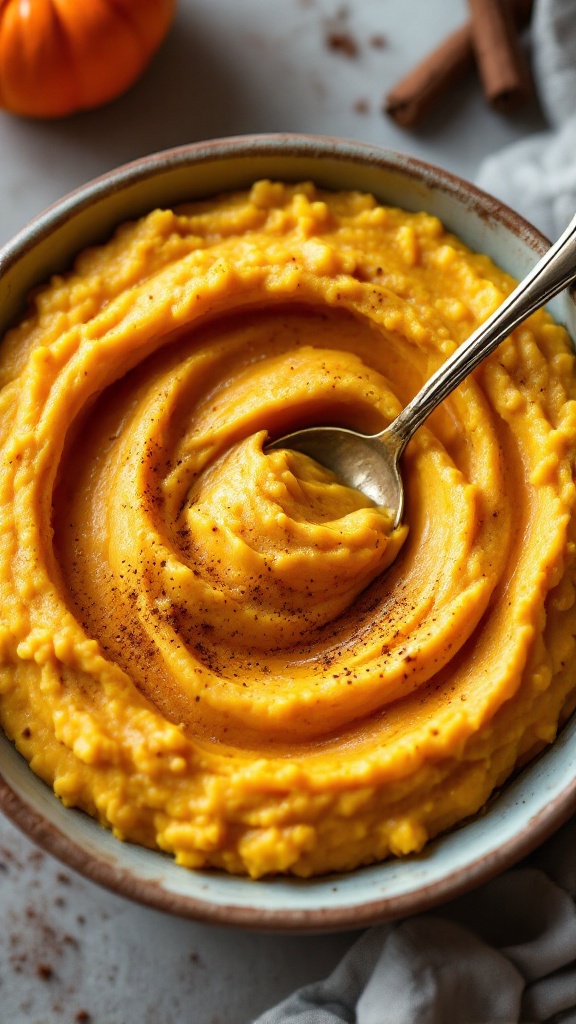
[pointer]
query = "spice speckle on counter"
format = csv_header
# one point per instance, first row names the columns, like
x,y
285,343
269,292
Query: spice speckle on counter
x,y
106,952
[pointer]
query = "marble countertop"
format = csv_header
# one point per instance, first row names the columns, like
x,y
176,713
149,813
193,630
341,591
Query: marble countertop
x,y
69,951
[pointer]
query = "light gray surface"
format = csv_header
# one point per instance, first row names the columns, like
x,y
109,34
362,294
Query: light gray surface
x,y
230,68
227,68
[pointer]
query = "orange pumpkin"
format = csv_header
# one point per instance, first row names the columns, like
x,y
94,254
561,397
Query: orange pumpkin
x,y
60,56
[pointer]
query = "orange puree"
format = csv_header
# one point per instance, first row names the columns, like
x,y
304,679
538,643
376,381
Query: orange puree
x,y
227,654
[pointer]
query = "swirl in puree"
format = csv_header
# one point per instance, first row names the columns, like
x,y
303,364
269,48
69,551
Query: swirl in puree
x,y
223,652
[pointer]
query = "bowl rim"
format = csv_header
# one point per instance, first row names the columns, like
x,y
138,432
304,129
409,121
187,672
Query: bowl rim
x,y
296,144
153,894
148,891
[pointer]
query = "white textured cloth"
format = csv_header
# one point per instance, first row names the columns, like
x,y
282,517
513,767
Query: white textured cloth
x,y
506,953
537,176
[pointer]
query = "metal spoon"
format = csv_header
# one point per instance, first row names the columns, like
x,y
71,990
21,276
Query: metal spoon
x,y
370,462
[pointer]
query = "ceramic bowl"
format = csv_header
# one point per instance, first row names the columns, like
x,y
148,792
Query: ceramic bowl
x,y
529,807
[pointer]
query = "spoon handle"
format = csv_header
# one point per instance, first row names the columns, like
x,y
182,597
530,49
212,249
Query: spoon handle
x,y
550,275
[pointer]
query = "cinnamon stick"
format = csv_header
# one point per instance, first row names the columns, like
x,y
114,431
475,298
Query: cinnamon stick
x,y
501,62
416,93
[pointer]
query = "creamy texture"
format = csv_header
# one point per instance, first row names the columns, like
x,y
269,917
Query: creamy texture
x,y
227,653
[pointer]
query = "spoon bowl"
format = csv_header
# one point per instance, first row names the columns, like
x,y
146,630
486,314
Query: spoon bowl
x,y
368,462
371,462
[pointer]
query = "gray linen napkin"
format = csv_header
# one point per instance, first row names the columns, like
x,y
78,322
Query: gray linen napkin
x,y
505,953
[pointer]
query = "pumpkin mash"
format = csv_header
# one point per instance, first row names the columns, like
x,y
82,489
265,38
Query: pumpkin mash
x,y
224,652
